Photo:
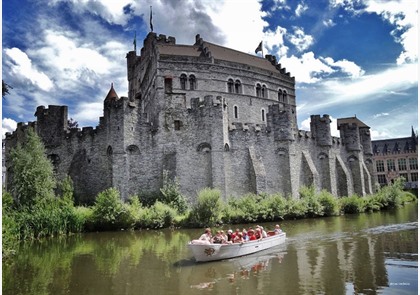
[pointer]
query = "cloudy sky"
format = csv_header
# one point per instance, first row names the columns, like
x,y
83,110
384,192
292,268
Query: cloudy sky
x,y
349,57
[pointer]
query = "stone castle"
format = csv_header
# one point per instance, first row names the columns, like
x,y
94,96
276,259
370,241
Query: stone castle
x,y
211,117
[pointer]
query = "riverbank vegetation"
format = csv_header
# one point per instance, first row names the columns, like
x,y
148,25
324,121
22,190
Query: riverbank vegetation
x,y
38,206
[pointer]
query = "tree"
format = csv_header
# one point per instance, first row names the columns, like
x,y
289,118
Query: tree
x,y
72,123
5,88
32,172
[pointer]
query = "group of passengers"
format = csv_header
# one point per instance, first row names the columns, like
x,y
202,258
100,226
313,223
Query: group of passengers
x,y
238,236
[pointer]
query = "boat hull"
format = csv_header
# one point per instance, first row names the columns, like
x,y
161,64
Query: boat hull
x,y
212,252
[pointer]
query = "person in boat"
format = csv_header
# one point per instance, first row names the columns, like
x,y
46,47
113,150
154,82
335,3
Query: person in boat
x,y
263,232
230,235
277,229
245,236
238,238
251,234
218,238
206,236
225,239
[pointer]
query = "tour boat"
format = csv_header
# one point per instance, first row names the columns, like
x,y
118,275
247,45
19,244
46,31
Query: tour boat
x,y
203,251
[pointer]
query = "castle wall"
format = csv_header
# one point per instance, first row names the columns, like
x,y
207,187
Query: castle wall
x,y
206,136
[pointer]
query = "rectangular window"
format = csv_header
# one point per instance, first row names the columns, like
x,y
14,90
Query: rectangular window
x,y
413,163
168,85
402,165
381,179
177,125
404,175
414,177
380,166
390,164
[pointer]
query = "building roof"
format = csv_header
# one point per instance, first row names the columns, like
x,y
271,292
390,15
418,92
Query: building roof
x,y
217,52
351,120
396,145
112,94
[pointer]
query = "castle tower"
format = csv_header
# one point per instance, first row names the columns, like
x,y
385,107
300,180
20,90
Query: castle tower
x,y
51,124
280,122
321,130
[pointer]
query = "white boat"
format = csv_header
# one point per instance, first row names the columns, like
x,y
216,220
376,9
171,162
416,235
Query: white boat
x,y
210,252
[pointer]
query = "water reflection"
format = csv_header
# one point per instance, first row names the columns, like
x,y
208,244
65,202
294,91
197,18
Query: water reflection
x,y
360,254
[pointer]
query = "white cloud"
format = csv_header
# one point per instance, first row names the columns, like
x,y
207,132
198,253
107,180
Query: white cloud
x,y
8,125
329,23
346,66
300,39
403,14
300,9
21,66
380,115
307,68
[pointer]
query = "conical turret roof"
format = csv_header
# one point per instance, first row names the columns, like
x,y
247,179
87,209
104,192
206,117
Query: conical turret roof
x,y
112,94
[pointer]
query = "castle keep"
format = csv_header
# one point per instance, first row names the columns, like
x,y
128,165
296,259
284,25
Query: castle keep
x,y
210,116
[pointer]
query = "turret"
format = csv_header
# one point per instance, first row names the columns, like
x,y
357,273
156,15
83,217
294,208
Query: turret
x,y
321,129
280,122
51,124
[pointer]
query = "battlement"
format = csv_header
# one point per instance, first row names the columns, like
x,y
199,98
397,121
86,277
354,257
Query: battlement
x,y
273,60
207,101
248,127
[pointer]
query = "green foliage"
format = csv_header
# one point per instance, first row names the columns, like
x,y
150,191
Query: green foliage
x,y
353,204
172,195
65,190
207,211
157,216
311,201
296,208
33,176
109,211
329,203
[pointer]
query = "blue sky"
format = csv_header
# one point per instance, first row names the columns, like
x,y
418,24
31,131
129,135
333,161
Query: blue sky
x,y
349,57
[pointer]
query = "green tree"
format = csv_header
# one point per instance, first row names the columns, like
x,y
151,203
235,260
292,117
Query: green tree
x,y
32,172
5,88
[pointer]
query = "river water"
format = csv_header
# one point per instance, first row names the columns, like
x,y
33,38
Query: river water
x,y
372,253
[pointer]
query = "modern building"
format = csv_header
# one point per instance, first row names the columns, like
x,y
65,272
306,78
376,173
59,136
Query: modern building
x,y
396,157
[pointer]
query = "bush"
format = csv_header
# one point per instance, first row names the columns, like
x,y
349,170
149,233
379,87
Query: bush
x,y
352,204
172,195
295,208
329,203
109,211
311,201
157,216
32,172
207,210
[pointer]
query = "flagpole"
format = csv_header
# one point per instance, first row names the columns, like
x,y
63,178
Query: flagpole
x,y
262,49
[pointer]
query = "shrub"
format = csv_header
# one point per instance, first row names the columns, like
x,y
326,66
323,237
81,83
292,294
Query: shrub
x,y
330,204
32,172
157,216
171,194
312,204
109,211
352,204
295,208
207,210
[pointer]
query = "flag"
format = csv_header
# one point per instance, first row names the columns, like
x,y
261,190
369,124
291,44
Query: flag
x,y
259,48
151,24
135,41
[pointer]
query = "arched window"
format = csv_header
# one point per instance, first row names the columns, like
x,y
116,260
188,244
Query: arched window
x,y
258,90
192,82
238,86
235,112
285,96
230,86
280,95
183,81
263,115
264,91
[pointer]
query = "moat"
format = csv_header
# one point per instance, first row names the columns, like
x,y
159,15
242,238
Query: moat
x,y
373,253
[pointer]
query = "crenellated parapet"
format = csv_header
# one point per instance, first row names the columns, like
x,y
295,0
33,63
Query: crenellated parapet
x,y
366,140
273,60
279,121
321,129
